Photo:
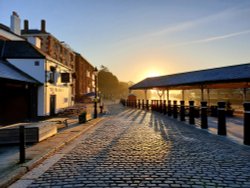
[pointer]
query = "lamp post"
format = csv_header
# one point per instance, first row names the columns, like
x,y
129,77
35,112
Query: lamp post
x,y
95,100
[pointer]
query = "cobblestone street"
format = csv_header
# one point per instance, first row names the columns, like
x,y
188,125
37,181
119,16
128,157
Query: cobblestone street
x,y
136,148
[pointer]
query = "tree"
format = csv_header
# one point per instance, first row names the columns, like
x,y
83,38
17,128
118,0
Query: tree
x,y
109,85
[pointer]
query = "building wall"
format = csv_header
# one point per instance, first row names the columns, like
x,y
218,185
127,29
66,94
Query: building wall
x,y
9,36
33,67
84,77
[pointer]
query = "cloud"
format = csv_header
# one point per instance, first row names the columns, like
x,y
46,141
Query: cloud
x,y
215,38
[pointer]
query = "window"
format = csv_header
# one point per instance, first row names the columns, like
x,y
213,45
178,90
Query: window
x,y
52,75
65,77
36,63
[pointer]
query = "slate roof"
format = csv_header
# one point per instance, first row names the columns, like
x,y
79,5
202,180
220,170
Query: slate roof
x,y
33,31
209,76
8,71
19,49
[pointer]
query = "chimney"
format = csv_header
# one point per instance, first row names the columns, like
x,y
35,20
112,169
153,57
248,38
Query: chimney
x,y
15,23
26,26
43,26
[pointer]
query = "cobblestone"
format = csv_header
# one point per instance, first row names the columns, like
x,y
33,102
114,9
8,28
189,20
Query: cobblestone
x,y
143,149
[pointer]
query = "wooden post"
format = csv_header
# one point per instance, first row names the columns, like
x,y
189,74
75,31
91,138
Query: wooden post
x,y
204,115
191,112
247,123
175,110
182,110
169,108
221,119
22,143
164,107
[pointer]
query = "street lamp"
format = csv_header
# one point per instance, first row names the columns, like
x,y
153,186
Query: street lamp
x,y
95,100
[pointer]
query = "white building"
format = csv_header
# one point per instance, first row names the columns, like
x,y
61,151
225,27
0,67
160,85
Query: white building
x,y
55,92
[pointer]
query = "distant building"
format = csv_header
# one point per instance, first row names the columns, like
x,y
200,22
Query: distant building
x,y
85,79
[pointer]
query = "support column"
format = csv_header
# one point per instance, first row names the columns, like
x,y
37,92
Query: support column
x,y
202,93
183,95
221,119
204,115
182,110
246,123
208,97
145,94
168,95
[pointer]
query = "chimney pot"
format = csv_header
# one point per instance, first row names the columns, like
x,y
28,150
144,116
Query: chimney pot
x,y
43,26
26,25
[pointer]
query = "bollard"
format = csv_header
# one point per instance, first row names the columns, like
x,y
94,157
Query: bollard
x,y
147,106
247,123
139,104
157,105
21,144
175,110
182,111
191,113
169,108
160,106
164,107
221,119
142,104
135,104
204,115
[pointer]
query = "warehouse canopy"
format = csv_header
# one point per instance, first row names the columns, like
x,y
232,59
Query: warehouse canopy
x,y
237,76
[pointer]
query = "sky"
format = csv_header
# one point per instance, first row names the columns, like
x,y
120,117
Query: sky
x,y
136,39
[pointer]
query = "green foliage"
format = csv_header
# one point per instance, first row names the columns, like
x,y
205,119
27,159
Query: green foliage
x,y
109,85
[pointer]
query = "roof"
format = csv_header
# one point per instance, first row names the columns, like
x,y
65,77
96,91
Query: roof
x,y
8,71
19,49
33,31
217,75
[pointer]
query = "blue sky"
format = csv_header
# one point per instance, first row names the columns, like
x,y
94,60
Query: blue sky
x,y
140,38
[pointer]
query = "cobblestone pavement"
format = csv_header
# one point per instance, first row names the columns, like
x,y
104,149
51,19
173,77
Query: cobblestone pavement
x,y
143,149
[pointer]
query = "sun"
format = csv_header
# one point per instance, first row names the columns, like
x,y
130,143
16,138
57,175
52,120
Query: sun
x,y
152,73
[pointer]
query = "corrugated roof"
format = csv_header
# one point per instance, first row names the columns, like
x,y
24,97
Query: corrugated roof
x,y
8,71
216,75
19,49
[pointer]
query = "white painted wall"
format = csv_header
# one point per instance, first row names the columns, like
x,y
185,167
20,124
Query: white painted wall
x,y
10,36
35,41
28,66
63,91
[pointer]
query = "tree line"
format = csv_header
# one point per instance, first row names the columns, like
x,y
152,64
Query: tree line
x,y
110,87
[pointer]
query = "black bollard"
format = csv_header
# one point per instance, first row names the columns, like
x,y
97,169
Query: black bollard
x,y
142,104
161,106
139,104
135,104
157,105
169,108
221,119
164,107
175,110
147,105
182,111
21,144
247,123
191,113
204,115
